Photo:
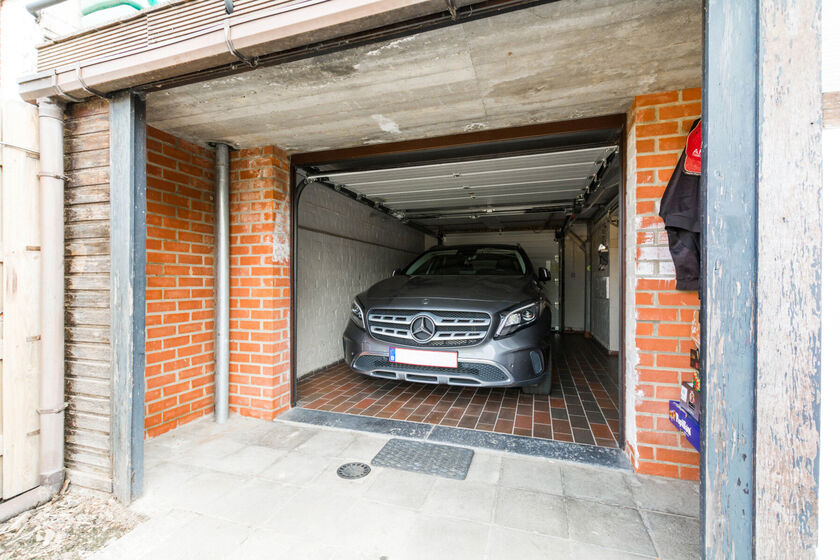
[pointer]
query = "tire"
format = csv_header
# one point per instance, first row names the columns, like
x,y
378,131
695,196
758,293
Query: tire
x,y
543,387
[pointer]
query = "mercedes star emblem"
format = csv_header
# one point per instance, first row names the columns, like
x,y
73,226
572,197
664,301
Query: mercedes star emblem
x,y
422,328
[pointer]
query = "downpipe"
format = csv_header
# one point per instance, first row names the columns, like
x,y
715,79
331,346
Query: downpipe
x,y
222,322
51,403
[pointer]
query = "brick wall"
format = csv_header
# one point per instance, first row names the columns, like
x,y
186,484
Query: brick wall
x,y
660,316
260,282
179,282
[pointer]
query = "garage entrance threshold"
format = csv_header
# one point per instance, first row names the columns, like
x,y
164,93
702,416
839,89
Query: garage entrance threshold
x,y
533,447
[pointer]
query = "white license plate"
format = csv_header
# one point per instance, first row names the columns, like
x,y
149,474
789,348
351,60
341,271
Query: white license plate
x,y
423,357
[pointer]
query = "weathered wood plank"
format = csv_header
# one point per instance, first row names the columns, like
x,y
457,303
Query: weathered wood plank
x,y
831,109
90,405
78,247
91,352
87,194
87,264
81,421
88,438
84,459
86,212
88,282
88,230
85,177
788,287
88,387
95,334
86,480
87,160
86,298
87,125
128,290
729,176
86,142
87,369
88,316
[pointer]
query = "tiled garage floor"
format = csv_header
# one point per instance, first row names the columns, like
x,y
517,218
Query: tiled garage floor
x,y
251,489
582,407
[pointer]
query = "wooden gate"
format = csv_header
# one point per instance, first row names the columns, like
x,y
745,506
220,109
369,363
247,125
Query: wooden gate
x,y
19,298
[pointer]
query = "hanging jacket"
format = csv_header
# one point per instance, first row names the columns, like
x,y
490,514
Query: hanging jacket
x,y
681,210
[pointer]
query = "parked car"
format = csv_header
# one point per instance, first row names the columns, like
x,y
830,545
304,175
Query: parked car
x,y
472,315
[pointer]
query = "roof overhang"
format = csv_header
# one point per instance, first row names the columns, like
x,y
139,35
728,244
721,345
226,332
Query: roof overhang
x,y
190,37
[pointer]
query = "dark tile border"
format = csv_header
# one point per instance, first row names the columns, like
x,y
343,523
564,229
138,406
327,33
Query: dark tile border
x,y
398,428
533,447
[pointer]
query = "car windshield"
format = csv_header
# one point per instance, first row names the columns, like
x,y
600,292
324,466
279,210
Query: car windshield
x,y
469,262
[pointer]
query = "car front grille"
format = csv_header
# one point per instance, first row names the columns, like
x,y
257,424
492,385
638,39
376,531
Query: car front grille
x,y
451,328
480,372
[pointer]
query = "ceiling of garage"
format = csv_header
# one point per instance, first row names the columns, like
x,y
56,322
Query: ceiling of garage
x,y
529,191
562,60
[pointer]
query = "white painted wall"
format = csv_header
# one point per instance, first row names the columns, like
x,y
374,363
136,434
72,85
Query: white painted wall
x,y
344,247
605,285
575,280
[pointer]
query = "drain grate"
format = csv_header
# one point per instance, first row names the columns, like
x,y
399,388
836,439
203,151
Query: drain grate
x,y
353,470
424,457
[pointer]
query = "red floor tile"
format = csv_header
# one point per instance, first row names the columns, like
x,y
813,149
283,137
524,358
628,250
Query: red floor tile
x,y
583,388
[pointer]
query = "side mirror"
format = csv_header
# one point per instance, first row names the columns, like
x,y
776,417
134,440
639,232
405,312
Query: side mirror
x,y
397,272
543,275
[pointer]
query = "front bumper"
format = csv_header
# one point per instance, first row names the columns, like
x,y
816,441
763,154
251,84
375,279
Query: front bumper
x,y
514,361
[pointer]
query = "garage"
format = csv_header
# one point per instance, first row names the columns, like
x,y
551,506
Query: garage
x,y
364,215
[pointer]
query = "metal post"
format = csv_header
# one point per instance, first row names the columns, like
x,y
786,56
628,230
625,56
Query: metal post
x,y
222,340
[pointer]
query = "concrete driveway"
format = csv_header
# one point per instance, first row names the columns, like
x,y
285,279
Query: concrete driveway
x,y
252,489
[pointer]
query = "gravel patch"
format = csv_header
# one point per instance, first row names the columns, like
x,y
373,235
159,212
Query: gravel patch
x,y
71,526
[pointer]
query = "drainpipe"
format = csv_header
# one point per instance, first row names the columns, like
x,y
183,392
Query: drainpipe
x,y
222,342
52,405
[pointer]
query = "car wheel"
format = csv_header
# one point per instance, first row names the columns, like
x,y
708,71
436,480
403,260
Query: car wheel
x,y
543,387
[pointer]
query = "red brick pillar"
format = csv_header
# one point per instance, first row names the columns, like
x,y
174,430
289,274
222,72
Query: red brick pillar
x,y
260,282
659,316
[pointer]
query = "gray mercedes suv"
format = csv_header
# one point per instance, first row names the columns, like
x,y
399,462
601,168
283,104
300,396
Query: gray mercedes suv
x,y
472,315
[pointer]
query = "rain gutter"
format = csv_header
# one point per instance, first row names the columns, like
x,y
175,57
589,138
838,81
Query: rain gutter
x,y
233,40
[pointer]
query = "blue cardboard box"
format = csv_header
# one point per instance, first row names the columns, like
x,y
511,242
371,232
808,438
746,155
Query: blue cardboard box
x,y
685,422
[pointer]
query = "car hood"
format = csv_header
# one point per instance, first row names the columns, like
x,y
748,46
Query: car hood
x,y
492,293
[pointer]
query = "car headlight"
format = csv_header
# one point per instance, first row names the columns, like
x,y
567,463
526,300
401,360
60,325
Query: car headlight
x,y
517,318
357,314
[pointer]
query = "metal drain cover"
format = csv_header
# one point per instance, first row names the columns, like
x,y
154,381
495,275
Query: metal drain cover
x,y
353,470
424,457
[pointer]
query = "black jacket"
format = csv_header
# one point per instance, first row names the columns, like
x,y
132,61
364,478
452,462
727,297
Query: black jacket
x,y
681,210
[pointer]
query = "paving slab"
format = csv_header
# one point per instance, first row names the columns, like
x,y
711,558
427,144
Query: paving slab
x,y
465,500
538,475
508,544
666,495
439,538
532,511
613,527
599,485
674,535
247,461
400,488
296,468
